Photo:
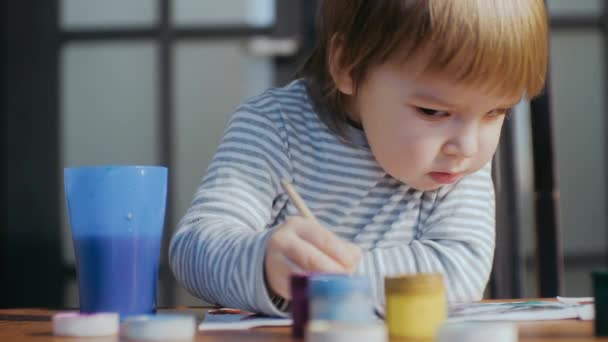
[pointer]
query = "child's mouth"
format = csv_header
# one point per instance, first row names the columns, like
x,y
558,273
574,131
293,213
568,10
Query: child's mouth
x,y
444,177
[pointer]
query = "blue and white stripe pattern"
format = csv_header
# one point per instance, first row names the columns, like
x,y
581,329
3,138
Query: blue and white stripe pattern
x,y
218,250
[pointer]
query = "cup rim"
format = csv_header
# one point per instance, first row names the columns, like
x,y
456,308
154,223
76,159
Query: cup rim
x,y
115,166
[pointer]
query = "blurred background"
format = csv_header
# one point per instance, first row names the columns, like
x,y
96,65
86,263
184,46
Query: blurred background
x,y
88,82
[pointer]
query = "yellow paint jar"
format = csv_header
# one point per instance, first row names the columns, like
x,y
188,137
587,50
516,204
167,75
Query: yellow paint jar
x,y
415,305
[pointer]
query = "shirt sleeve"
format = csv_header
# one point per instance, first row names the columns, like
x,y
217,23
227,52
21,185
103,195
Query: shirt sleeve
x,y
456,240
217,252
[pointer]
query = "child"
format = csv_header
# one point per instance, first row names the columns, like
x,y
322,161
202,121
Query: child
x,y
388,137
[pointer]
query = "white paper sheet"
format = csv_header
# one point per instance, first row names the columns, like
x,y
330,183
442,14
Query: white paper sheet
x,y
240,321
563,308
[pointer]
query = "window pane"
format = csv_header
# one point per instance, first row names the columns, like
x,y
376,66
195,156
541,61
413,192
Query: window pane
x,y
234,12
211,80
578,89
76,14
109,111
578,7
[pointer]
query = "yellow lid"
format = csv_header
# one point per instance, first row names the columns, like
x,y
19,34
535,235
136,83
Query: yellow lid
x,y
414,283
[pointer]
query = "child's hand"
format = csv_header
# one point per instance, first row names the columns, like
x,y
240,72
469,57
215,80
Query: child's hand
x,y
304,245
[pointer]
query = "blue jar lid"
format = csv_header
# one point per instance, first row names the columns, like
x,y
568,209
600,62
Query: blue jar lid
x,y
337,285
159,327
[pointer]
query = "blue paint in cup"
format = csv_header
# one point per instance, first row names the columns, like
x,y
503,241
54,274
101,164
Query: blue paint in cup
x,y
340,298
117,215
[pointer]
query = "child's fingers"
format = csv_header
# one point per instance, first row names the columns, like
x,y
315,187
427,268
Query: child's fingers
x,y
282,268
291,266
310,258
356,252
342,251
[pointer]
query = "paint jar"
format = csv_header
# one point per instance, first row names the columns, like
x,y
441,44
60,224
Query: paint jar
x,y
299,303
340,298
600,294
415,305
341,310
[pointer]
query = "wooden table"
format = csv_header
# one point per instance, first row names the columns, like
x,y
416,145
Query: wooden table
x,y
20,325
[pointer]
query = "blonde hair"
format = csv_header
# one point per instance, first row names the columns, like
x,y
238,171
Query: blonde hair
x,y
500,46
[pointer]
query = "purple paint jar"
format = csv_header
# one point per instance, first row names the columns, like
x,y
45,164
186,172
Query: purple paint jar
x,y
299,302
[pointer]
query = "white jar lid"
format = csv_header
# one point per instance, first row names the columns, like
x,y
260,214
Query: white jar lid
x,y
477,332
85,325
329,331
159,327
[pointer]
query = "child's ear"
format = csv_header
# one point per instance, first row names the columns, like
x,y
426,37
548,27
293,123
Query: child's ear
x,y
339,73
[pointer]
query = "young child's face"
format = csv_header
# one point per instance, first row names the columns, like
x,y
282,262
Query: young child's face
x,y
425,130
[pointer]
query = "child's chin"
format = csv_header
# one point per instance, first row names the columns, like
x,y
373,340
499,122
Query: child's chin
x,y
423,185
427,187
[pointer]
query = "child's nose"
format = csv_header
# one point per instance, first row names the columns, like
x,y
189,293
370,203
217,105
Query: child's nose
x,y
465,144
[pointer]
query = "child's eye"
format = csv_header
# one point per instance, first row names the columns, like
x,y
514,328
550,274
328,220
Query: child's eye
x,y
432,112
499,112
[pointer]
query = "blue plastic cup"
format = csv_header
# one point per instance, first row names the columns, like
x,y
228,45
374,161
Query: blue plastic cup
x,y
117,215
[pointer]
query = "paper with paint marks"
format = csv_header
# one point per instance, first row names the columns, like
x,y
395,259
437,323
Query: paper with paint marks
x,y
562,308
230,319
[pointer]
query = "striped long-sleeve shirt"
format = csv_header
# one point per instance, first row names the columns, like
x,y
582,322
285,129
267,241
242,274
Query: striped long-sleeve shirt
x,y
218,250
